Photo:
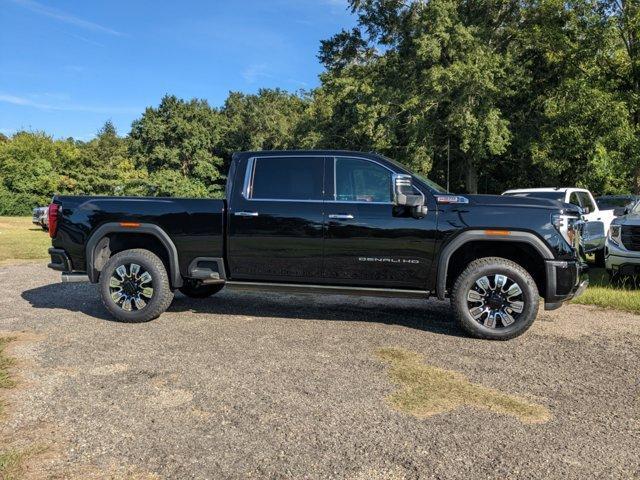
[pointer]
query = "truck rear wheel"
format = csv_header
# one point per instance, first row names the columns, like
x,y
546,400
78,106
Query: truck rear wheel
x,y
134,286
495,298
199,290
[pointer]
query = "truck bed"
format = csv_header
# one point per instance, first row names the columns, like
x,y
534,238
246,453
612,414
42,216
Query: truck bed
x,y
196,226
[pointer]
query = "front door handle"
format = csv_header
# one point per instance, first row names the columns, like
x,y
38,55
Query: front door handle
x,y
341,216
246,214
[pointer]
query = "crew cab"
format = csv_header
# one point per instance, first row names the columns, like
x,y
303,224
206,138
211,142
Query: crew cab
x,y
326,222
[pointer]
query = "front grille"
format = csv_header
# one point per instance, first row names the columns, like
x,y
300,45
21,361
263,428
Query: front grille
x,y
631,237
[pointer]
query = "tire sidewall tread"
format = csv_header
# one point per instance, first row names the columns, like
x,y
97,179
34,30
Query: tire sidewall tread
x,y
162,294
490,266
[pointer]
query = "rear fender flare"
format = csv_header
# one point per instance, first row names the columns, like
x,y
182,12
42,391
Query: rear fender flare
x,y
144,228
475,235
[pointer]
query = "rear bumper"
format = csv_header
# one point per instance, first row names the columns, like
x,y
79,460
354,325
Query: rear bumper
x,y
59,260
565,280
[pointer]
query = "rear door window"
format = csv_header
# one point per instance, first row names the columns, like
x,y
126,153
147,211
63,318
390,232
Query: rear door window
x,y
287,178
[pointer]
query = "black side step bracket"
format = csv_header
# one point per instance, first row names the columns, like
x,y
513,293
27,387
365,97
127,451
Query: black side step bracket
x,y
327,289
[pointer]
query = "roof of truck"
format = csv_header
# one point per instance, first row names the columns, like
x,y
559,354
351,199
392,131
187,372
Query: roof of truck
x,y
547,189
249,153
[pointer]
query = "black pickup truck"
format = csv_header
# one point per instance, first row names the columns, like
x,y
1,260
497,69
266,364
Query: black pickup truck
x,y
326,222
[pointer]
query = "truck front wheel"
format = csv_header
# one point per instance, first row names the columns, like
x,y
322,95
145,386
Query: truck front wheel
x,y
495,298
134,286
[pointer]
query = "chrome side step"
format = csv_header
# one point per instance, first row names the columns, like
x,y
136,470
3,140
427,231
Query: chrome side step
x,y
74,277
326,289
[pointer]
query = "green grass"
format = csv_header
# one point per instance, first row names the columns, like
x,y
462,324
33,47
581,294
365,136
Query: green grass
x,y
5,364
21,240
426,390
623,296
11,463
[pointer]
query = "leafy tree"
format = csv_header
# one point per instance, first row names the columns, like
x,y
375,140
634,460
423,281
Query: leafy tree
x,y
429,75
179,137
27,172
268,120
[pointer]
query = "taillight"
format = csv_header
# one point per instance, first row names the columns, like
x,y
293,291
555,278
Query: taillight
x,y
54,212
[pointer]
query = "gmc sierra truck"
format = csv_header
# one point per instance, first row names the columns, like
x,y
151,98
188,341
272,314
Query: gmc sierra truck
x,y
326,222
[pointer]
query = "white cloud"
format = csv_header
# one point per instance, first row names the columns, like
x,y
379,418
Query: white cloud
x,y
65,17
256,71
67,107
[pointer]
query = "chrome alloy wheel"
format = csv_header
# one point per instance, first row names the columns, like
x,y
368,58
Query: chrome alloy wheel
x,y
495,302
130,287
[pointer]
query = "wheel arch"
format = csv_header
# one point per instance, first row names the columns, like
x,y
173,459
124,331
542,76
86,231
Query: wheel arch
x,y
101,237
470,238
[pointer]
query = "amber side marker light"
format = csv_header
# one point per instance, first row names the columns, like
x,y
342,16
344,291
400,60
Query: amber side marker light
x,y
497,233
129,224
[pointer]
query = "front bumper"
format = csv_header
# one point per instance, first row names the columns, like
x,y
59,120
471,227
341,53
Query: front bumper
x,y
565,280
619,260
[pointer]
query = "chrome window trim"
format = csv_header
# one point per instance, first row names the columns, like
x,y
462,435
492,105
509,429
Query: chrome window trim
x,y
250,171
335,188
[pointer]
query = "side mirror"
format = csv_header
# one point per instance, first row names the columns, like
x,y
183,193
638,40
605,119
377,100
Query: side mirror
x,y
406,195
592,236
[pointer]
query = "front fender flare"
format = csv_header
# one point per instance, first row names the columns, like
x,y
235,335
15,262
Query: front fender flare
x,y
475,235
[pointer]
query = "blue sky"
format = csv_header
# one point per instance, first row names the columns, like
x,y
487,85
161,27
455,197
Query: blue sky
x,y
67,66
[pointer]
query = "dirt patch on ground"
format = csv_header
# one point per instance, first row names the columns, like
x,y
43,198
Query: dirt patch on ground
x,y
428,390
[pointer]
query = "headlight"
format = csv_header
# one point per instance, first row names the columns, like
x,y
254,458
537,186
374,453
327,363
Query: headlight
x,y
615,234
565,224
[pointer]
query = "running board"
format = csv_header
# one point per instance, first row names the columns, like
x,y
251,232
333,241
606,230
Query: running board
x,y
326,289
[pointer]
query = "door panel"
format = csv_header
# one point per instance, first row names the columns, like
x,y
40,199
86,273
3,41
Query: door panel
x,y
380,246
278,239
368,240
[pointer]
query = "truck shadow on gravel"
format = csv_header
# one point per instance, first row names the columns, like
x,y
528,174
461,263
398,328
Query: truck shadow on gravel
x,y
431,316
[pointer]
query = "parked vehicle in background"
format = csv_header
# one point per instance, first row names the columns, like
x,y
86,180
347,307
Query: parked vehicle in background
x,y
621,204
579,197
40,217
622,257
326,222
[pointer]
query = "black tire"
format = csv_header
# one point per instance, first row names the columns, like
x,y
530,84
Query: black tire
x,y
199,290
599,259
158,301
487,267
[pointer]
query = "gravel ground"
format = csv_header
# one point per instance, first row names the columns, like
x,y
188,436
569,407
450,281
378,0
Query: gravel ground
x,y
278,386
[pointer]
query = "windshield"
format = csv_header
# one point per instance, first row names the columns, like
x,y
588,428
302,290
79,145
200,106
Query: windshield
x,y
558,196
636,208
430,183
612,202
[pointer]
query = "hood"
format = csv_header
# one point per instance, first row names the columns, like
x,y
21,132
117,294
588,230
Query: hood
x,y
631,219
522,202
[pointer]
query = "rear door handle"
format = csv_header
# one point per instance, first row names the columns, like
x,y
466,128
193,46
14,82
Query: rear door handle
x,y
341,216
246,214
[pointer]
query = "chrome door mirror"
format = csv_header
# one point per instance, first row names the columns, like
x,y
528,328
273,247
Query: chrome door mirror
x,y
405,194
592,236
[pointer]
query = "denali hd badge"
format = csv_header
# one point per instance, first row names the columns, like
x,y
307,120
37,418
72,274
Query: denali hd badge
x,y
388,260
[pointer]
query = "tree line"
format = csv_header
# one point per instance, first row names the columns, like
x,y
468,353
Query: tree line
x,y
488,94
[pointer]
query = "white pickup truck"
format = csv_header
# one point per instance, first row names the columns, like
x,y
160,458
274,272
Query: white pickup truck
x,y
576,196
